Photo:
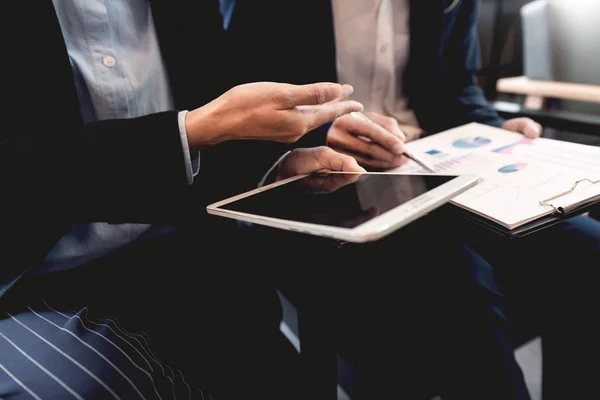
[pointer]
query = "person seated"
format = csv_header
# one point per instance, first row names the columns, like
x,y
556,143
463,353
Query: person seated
x,y
413,65
109,286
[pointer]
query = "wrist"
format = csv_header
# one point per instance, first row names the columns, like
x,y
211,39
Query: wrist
x,y
203,128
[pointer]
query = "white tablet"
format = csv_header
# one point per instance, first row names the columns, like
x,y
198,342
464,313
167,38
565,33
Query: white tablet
x,y
346,206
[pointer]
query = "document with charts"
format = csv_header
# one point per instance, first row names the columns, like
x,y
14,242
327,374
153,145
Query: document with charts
x,y
521,180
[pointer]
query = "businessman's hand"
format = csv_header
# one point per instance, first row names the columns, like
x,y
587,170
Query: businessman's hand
x,y
526,126
315,159
267,111
327,183
378,143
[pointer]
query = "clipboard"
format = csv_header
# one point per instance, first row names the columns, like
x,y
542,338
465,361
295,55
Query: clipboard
x,y
526,185
560,213
570,207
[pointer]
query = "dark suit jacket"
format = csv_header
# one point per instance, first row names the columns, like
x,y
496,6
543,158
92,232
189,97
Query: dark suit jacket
x,y
293,41
56,171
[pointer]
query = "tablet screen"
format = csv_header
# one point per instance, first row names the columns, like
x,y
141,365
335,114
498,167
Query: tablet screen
x,y
340,200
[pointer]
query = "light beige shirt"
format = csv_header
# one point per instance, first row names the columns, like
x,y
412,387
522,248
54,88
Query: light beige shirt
x,y
372,49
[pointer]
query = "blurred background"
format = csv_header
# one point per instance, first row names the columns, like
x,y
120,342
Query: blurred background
x,y
540,59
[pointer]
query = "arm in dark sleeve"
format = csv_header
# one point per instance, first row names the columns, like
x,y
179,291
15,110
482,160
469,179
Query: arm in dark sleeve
x,y
465,101
111,171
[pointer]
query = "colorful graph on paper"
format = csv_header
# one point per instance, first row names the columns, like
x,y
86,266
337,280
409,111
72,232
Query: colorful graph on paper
x,y
471,143
456,164
514,146
515,172
512,168
436,153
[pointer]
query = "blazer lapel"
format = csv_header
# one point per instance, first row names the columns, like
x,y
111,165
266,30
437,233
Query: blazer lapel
x,y
426,27
423,77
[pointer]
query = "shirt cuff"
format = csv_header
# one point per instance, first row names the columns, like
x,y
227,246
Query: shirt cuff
x,y
192,161
270,171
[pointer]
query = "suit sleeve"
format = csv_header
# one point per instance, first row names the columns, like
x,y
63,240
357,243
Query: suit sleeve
x,y
115,171
465,101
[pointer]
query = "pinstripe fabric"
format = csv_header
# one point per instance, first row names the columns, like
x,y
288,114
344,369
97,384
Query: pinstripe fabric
x,y
51,353
186,318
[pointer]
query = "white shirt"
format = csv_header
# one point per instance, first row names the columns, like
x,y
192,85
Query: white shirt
x,y
372,49
119,73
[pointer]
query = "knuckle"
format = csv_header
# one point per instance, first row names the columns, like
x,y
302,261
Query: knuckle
x,y
391,123
325,154
371,148
392,140
340,121
336,110
318,95
232,93
322,151
291,139
298,127
284,97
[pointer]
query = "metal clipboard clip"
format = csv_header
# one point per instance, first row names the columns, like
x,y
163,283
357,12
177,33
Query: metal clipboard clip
x,y
561,210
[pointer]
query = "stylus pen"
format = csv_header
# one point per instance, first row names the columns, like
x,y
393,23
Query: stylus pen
x,y
407,153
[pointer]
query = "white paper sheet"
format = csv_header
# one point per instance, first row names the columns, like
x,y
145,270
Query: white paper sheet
x,y
516,173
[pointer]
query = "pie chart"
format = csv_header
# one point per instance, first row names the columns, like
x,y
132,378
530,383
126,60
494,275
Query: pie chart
x,y
512,168
471,142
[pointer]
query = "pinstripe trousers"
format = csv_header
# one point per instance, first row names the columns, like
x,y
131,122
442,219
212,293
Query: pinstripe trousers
x,y
52,354
155,321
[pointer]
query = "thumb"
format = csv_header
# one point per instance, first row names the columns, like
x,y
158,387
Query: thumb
x,y
334,161
316,93
351,165
532,130
526,126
